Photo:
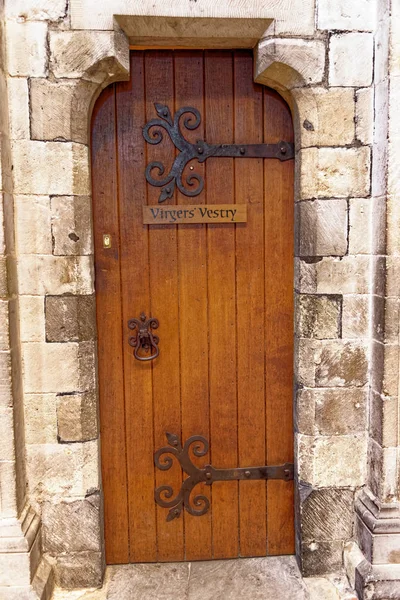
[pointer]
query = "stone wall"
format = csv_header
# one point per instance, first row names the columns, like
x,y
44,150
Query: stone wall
x,y
330,61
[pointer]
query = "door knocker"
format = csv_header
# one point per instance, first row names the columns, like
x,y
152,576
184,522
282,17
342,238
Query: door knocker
x,y
144,341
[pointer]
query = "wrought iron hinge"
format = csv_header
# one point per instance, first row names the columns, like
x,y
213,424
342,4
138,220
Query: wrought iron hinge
x,y
207,475
200,150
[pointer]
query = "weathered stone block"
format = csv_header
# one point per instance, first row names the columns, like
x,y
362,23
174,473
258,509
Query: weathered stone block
x,y
74,53
384,419
77,417
327,514
305,276
318,558
392,224
318,316
305,351
340,411
331,411
87,356
5,326
326,116
350,59
360,215
40,418
32,225
334,172
31,315
5,379
332,461
322,228
70,318
50,367
78,570
50,168
8,501
382,474
347,275
18,108
71,225
59,109
341,364
65,470
364,115
359,15
72,526
37,10
41,275
355,317
27,57
7,450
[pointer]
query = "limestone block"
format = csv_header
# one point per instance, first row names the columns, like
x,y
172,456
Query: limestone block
x,y
36,10
31,314
71,225
3,277
87,356
322,228
8,498
41,275
60,109
381,62
359,15
341,364
332,411
392,276
80,569
392,319
333,461
384,419
382,474
70,318
378,549
393,184
326,116
318,558
289,62
394,118
40,418
392,224
75,53
318,316
33,225
355,317
7,441
18,107
347,275
77,417
4,329
50,168
360,216
26,49
5,379
380,145
305,352
364,115
66,470
50,367
350,59
72,526
334,172
327,514
305,276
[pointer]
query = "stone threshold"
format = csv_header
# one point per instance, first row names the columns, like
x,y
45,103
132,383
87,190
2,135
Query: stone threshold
x,y
278,578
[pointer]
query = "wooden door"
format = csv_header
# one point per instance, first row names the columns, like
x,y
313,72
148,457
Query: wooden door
x,y
223,295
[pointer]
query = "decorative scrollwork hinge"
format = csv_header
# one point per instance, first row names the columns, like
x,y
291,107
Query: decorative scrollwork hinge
x,y
207,475
200,150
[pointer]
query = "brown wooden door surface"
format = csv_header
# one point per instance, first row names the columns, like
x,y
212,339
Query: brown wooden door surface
x,y
223,295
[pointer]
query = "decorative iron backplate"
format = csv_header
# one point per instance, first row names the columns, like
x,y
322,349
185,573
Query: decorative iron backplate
x,y
200,150
164,494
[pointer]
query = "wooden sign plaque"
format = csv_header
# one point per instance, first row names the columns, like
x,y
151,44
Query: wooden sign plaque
x,y
198,213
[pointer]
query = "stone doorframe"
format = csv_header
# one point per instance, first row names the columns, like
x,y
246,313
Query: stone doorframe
x,y
346,360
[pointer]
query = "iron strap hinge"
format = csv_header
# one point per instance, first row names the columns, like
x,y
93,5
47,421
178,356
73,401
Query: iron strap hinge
x,y
198,445
187,151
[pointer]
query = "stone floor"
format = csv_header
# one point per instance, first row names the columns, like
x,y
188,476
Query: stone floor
x,y
276,578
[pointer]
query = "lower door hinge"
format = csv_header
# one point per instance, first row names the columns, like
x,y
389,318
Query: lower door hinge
x,y
164,494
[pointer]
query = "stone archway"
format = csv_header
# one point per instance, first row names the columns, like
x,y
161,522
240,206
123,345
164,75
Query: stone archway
x,y
333,286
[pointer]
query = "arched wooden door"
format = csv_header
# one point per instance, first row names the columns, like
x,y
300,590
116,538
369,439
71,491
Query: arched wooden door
x,y
223,295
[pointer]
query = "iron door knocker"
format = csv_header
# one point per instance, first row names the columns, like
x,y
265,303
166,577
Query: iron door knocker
x,y
144,339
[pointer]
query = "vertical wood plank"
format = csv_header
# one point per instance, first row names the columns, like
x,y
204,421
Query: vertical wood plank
x,y
108,302
136,298
164,285
279,286
192,256
249,179
222,305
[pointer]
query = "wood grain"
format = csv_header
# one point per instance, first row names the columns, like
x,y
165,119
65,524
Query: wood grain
x,y
223,294
109,316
